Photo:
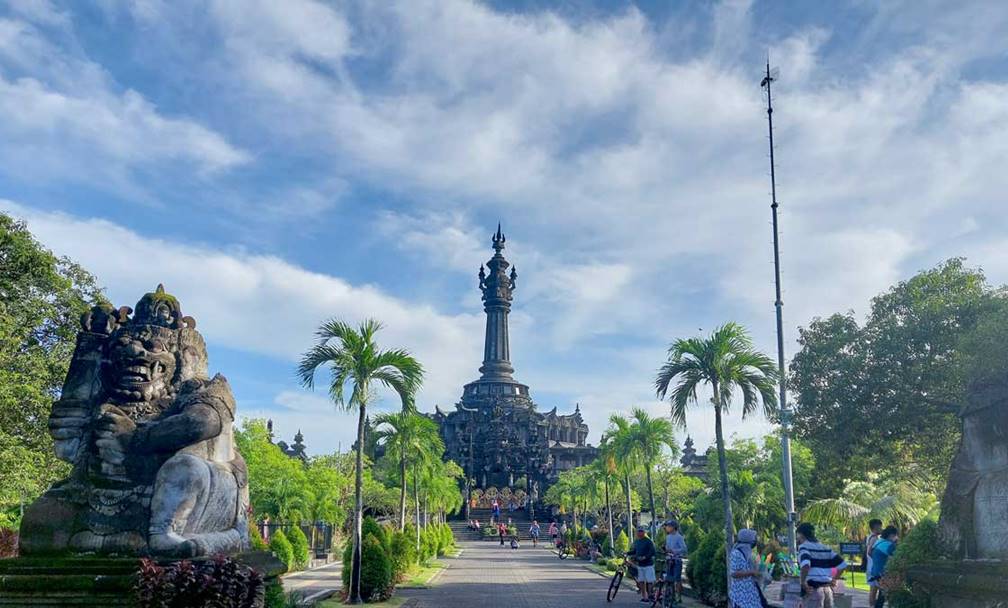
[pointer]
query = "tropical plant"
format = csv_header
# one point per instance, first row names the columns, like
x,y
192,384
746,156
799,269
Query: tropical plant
x,y
897,502
619,436
653,435
282,548
407,435
604,468
726,360
354,360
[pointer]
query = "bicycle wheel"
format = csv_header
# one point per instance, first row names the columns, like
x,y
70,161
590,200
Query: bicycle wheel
x,y
658,594
562,552
614,586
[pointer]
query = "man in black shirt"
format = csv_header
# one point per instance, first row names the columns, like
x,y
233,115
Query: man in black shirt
x,y
643,554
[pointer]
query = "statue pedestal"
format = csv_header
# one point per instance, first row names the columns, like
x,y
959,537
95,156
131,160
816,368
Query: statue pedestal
x,y
60,582
970,584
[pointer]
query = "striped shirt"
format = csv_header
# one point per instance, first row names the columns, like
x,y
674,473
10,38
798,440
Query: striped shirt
x,y
820,560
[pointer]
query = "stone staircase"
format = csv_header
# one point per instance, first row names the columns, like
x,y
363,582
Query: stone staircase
x,y
519,519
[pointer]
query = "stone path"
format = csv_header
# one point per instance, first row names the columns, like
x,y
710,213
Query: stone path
x,y
487,575
315,583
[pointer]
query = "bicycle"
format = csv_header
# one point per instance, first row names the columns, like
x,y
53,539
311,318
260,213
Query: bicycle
x,y
617,580
665,592
563,549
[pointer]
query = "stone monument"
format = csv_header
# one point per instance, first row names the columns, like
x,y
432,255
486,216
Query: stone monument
x,y
974,521
150,436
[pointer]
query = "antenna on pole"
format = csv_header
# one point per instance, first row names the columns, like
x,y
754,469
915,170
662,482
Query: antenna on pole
x,y
785,410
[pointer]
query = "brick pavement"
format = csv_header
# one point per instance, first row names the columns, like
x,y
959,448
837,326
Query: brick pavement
x,y
487,575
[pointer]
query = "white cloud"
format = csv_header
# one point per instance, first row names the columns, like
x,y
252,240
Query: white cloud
x,y
261,304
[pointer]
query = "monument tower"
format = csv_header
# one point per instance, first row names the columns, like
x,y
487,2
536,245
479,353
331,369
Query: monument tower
x,y
507,449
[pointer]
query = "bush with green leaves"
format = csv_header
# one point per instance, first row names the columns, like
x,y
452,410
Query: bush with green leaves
x,y
402,552
282,548
371,526
622,543
299,547
706,569
428,544
376,570
255,538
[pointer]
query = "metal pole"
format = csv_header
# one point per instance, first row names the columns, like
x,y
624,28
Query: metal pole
x,y
785,410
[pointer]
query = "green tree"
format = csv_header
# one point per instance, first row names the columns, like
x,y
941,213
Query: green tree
x,y
407,435
355,361
278,485
619,436
604,467
653,437
899,502
725,361
42,298
878,396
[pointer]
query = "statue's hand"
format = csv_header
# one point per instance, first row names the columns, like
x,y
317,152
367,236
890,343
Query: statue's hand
x,y
114,431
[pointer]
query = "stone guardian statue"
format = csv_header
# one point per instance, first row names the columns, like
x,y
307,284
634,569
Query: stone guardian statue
x,y
150,437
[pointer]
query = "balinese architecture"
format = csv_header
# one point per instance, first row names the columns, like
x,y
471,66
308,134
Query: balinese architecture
x,y
508,449
294,450
693,464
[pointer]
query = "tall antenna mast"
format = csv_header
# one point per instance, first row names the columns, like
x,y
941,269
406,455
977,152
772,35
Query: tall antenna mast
x,y
785,409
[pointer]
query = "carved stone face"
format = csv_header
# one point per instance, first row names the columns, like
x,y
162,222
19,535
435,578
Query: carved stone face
x,y
140,365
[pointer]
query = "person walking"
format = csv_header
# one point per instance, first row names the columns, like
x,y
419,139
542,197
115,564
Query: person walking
x,y
820,568
534,533
495,512
882,550
501,531
875,527
745,589
643,553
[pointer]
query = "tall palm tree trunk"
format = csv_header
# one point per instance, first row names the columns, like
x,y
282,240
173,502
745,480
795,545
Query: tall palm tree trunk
x,y
725,497
355,564
608,506
629,510
402,489
650,491
416,502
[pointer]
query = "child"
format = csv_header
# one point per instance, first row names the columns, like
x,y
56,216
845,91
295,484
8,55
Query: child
x,y
514,541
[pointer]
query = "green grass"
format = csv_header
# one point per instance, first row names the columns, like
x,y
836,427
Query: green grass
x,y
860,580
392,602
420,576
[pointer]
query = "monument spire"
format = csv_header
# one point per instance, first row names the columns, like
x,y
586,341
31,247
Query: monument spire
x,y
497,286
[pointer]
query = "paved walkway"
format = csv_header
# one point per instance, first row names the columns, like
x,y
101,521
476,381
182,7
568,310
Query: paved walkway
x,y
487,575
312,582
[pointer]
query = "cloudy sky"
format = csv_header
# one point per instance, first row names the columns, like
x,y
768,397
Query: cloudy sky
x,y
278,163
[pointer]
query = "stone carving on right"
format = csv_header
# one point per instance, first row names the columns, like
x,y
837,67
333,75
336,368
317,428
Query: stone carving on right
x,y
974,520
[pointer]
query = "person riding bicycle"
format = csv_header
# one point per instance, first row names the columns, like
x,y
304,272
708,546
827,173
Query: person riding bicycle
x,y
675,551
534,532
643,554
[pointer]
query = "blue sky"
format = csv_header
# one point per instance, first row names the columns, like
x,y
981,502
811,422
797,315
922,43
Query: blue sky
x,y
278,163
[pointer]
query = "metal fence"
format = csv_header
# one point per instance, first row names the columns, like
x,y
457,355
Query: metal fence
x,y
320,535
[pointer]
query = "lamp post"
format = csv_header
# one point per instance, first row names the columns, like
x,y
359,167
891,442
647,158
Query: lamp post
x,y
785,409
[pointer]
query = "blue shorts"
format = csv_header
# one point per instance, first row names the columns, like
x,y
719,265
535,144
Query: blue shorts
x,y
673,570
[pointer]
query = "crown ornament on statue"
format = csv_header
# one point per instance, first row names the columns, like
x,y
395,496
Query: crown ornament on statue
x,y
162,309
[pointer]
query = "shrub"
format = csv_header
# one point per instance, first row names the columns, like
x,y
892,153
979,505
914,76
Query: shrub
x,y
221,583
8,543
282,548
376,570
622,543
428,544
706,568
255,537
299,548
402,552
917,547
371,526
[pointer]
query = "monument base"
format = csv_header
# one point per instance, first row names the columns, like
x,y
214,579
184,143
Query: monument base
x,y
60,582
971,584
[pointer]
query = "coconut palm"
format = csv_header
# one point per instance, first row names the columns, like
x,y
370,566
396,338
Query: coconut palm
x,y
355,361
725,360
652,436
406,433
898,502
620,437
604,468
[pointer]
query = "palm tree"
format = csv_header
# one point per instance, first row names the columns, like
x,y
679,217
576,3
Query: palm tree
x,y
726,360
604,468
406,433
354,359
652,435
624,449
899,502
